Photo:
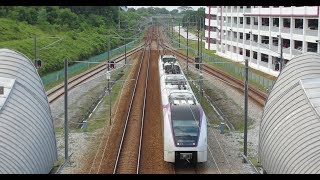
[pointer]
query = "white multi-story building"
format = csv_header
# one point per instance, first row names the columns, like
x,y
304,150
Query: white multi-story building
x,y
255,33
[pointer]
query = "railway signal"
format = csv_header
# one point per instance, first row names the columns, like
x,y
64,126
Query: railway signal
x,y
196,60
38,63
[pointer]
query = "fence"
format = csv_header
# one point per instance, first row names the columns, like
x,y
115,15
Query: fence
x,y
229,67
55,76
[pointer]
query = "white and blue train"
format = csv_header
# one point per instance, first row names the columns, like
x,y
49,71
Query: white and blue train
x,y
184,122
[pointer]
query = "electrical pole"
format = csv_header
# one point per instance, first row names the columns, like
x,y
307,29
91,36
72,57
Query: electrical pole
x,y
179,35
172,30
281,54
125,51
65,110
245,111
200,65
119,16
188,43
109,80
198,28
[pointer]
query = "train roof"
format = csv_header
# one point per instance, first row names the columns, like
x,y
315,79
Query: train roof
x,y
185,112
168,56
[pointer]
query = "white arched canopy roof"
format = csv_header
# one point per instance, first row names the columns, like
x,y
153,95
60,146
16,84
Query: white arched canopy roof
x,y
289,137
27,139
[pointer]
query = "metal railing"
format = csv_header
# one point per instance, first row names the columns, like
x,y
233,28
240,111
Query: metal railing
x,y
55,76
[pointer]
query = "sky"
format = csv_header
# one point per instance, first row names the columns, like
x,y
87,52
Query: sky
x,y
169,8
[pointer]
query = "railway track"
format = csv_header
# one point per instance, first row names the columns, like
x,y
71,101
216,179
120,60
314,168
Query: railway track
x,y
54,94
258,96
128,156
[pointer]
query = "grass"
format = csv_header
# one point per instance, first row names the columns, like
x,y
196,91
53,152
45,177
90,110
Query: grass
x,y
212,116
255,161
101,115
75,45
226,104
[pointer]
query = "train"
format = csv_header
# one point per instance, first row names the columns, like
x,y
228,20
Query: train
x,y
184,123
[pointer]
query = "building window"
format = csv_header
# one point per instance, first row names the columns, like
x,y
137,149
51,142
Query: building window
x,y
235,35
247,36
275,22
264,39
213,17
286,43
248,20
248,7
298,23
298,45
247,53
255,21
234,49
241,35
275,41
313,24
235,20
241,20
255,55
255,38
286,22
265,21
264,6
312,47
264,57
240,51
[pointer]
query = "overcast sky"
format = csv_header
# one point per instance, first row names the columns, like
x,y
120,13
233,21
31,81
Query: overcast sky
x,y
169,8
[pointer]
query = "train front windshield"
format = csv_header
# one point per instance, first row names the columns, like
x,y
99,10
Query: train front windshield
x,y
186,126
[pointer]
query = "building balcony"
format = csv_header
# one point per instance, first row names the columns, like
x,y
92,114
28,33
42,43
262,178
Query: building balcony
x,y
274,29
285,30
264,28
264,64
247,42
247,26
274,48
253,61
296,51
310,32
286,50
255,27
297,31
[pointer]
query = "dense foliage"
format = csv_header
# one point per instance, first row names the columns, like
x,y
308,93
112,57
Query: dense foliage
x,y
82,30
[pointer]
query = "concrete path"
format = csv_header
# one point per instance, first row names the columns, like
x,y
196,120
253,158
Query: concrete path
x,y
183,33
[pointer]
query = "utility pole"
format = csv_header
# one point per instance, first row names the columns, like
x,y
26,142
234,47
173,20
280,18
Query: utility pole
x,y
172,30
119,16
188,44
109,80
179,35
35,50
281,53
198,28
245,111
65,110
200,65
125,51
